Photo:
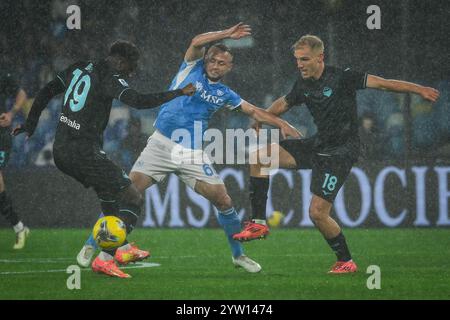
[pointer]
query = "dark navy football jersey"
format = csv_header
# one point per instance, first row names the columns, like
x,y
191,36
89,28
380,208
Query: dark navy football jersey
x,y
332,102
89,91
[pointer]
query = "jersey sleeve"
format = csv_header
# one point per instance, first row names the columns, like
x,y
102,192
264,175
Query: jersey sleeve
x,y
354,79
296,96
185,70
234,100
115,86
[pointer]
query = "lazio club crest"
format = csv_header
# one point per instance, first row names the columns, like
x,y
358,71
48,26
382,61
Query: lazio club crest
x,y
327,92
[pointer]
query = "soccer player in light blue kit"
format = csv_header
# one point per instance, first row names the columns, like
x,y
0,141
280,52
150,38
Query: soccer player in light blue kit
x,y
167,152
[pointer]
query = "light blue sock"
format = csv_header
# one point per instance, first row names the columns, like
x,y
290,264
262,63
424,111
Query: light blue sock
x,y
90,241
229,220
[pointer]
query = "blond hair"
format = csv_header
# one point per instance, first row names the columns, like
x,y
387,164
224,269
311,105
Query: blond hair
x,y
314,42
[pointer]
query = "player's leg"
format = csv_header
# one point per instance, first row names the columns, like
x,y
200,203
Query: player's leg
x,y
319,212
141,182
259,186
143,175
126,204
130,210
229,220
328,176
7,209
150,167
93,169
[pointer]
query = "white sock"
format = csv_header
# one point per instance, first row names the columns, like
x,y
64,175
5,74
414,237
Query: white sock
x,y
18,227
125,247
105,256
259,221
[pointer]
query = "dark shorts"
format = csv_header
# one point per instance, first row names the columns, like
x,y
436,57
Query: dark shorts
x,y
5,147
329,172
90,166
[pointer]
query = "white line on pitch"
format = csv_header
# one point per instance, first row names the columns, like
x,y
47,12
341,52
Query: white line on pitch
x,y
136,266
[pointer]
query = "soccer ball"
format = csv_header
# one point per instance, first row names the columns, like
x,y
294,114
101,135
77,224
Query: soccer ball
x,y
109,232
275,219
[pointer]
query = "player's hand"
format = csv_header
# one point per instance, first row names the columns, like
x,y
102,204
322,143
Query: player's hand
x,y
21,129
429,94
256,125
189,90
239,31
289,131
5,119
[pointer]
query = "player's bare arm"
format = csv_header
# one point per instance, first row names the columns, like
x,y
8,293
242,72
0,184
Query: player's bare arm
x,y
262,116
6,118
196,49
277,108
427,93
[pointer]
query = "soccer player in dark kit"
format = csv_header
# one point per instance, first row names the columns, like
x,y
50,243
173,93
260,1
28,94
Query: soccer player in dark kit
x,y
89,89
330,95
9,88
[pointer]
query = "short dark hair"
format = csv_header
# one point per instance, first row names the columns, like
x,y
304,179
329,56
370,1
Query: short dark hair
x,y
124,49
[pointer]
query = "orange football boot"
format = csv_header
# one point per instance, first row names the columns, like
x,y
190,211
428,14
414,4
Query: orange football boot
x,y
252,231
109,268
343,267
133,254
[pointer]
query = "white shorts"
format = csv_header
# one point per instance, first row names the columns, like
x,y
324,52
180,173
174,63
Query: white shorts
x,y
161,156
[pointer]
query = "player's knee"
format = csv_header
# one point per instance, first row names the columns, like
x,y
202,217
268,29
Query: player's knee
x,y
223,202
133,197
318,211
139,200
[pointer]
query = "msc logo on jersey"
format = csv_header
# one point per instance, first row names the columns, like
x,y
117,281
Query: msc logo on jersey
x,y
208,97
327,92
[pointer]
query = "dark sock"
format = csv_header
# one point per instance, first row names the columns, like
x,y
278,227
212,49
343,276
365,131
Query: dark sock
x,y
129,214
7,210
110,207
339,246
258,196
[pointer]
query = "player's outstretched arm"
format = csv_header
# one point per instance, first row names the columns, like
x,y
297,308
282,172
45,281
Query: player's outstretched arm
x,y
262,116
41,101
277,108
6,118
152,100
196,49
427,93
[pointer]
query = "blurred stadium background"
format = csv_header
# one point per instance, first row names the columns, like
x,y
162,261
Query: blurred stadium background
x,y
400,131
401,180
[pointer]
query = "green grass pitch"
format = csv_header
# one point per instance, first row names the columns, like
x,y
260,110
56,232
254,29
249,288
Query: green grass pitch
x,y
196,264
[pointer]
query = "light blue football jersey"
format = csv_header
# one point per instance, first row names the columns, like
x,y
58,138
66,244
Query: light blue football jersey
x,y
180,114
